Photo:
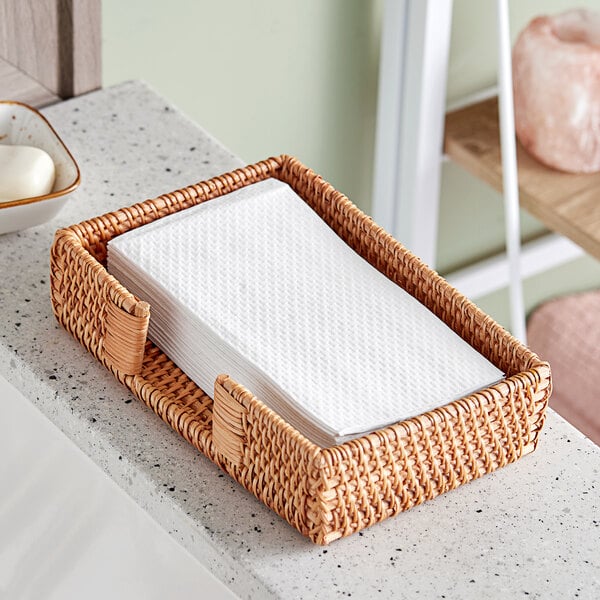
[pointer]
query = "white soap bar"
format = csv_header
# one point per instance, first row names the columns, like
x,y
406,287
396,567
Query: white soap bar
x,y
25,172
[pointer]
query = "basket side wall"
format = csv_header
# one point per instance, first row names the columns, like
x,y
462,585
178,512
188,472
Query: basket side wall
x,y
416,460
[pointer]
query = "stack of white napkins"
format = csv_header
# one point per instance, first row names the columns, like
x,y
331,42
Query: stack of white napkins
x,y
254,284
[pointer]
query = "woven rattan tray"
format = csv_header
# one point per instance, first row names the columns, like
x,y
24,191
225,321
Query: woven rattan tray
x,y
325,493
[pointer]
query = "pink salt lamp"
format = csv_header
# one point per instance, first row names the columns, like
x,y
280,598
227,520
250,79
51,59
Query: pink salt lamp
x,y
556,78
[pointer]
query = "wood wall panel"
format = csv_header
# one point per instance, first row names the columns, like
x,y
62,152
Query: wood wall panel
x,y
54,42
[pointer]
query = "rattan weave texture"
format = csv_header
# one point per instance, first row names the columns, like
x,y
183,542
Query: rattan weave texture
x,y
325,493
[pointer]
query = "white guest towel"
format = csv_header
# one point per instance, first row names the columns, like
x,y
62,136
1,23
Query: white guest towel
x,y
254,284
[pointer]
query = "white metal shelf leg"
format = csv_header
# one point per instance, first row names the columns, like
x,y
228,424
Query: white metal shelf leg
x,y
510,182
410,121
389,113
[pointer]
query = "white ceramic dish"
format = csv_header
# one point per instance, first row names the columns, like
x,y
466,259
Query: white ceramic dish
x,y
21,124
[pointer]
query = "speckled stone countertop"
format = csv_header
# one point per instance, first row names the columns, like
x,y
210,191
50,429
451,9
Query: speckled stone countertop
x,y
530,530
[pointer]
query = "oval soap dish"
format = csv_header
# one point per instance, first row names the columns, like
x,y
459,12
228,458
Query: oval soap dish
x,y
23,125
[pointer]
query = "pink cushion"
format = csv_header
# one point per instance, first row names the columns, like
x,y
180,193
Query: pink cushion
x,y
566,333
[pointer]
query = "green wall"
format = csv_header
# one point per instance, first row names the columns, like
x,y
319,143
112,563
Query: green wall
x,y
265,77
273,76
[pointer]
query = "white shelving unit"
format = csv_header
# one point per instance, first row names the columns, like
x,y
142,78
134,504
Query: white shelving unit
x,y
410,134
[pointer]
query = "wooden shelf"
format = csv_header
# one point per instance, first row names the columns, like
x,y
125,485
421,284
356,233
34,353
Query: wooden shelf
x,y
568,204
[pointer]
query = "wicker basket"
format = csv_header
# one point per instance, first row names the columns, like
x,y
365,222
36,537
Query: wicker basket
x,y
325,493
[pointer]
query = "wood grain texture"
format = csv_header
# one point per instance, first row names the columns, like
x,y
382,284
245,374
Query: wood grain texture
x,y
564,202
54,42
15,85
80,52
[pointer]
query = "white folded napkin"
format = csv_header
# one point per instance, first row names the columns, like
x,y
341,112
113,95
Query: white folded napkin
x,y
254,284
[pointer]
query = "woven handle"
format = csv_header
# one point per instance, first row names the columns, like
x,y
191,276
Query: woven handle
x,y
125,338
228,420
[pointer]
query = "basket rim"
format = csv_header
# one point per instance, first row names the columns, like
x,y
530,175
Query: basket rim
x,y
279,167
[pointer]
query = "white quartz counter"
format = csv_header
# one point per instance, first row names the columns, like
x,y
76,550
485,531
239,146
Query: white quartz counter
x,y
531,529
